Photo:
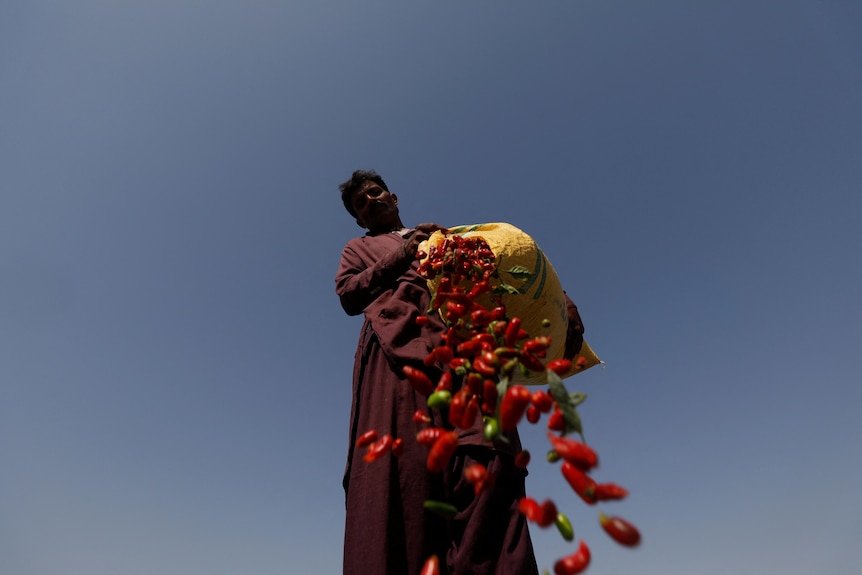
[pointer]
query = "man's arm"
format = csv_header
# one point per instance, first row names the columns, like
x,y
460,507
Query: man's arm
x,y
357,285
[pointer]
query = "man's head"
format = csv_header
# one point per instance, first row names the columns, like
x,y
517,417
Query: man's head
x,y
366,197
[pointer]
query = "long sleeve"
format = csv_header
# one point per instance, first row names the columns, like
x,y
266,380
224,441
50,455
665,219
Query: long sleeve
x,y
358,284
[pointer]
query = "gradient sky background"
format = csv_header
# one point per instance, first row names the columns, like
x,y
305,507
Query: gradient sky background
x,y
175,366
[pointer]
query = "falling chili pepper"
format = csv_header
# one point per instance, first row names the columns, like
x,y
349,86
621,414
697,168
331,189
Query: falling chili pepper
x,y
557,421
610,492
522,459
439,399
378,449
444,353
578,454
537,344
445,382
542,400
367,438
420,381
457,406
542,514
492,429
489,396
441,451
564,526
477,475
620,530
512,407
431,566
513,330
420,416
574,563
581,483
398,447
429,435
471,411
469,348
560,366
531,362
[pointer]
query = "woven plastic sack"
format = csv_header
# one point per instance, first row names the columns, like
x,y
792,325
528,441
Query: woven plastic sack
x,y
522,265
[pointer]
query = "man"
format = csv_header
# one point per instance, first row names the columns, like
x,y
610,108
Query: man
x,y
388,531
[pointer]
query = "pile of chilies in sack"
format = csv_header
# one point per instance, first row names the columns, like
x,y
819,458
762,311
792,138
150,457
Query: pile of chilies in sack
x,y
484,347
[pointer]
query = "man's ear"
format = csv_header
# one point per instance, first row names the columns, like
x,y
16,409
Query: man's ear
x,y
394,197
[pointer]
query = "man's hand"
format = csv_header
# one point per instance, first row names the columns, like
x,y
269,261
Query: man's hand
x,y
419,235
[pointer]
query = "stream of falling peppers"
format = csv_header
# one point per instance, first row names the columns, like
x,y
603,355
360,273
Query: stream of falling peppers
x,y
484,348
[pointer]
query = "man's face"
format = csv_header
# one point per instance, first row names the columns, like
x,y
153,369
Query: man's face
x,y
376,209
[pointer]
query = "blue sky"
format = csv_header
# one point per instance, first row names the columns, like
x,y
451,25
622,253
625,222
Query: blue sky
x,y
175,367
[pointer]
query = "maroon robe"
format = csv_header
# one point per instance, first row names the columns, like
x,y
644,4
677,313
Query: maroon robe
x,y
388,531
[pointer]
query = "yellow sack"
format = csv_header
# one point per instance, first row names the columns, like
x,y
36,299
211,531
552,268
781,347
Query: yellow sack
x,y
539,292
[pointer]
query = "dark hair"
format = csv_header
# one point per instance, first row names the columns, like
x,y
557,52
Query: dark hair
x,y
356,181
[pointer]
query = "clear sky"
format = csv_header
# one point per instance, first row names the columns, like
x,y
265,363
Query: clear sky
x,y
175,366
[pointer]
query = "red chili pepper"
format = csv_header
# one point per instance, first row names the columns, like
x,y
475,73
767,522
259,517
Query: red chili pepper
x,y
529,508
367,438
557,421
445,382
542,400
574,563
547,513
610,492
429,435
522,459
378,449
487,340
422,320
480,317
531,362
543,514
581,362
471,411
581,483
455,310
477,475
512,408
474,383
469,348
444,353
537,344
489,396
441,451
498,313
455,297
533,414
498,327
478,289
620,530
457,362
430,359
431,567
512,331
481,365
578,454
398,447
457,407
560,366
421,417
420,381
